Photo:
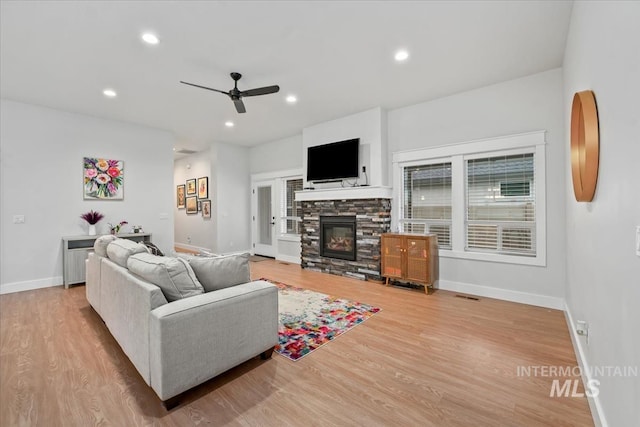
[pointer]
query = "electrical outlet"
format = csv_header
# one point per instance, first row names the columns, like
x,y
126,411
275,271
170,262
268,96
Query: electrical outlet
x,y
638,240
582,328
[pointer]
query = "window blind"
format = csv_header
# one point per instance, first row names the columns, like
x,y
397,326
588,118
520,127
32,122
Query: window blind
x,y
289,208
501,204
427,201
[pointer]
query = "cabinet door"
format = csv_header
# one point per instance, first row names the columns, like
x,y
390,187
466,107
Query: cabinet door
x,y
75,266
392,256
417,260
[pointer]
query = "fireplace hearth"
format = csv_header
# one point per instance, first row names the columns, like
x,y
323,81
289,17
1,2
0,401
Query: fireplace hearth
x,y
338,237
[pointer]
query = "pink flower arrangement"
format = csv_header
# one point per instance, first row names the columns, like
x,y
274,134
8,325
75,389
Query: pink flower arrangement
x,y
115,229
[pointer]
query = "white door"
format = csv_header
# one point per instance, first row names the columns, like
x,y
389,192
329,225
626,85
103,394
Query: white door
x,y
265,214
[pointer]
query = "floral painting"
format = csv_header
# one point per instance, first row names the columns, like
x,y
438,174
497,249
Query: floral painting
x,y
103,179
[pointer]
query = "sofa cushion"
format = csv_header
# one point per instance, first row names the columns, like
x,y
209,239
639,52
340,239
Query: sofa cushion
x,y
121,249
222,271
173,276
101,243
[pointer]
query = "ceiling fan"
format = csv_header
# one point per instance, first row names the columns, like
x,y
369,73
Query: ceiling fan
x,y
237,95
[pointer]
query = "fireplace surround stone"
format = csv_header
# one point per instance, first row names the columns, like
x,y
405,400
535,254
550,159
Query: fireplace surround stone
x,y
373,217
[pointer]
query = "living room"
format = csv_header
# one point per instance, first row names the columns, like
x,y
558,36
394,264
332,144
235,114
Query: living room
x,y
585,267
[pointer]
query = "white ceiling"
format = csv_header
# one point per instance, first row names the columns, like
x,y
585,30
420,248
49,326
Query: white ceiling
x,y
337,57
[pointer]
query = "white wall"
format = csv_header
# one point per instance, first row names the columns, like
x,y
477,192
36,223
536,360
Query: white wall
x,y
278,155
527,104
370,127
231,201
603,272
193,231
42,151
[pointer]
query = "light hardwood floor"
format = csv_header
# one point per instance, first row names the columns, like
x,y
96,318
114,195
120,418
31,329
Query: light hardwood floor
x,y
435,360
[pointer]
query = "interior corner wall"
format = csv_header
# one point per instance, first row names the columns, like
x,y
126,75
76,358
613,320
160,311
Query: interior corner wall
x,y
231,200
192,230
517,106
603,271
41,178
283,154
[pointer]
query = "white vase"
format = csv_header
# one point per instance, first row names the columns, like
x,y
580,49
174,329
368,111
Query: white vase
x,y
92,229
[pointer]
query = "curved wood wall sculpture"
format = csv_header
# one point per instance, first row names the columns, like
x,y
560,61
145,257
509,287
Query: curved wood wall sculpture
x,y
585,145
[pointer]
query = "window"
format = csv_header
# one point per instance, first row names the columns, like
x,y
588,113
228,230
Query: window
x,y
290,209
500,205
485,200
427,201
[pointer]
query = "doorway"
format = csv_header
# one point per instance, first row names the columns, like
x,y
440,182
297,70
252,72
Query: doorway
x,y
264,218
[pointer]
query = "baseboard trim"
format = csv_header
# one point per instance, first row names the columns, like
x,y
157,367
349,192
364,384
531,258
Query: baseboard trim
x,y
288,258
28,285
594,402
503,294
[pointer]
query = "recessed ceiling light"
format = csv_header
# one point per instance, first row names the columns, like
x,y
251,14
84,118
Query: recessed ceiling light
x,y
291,99
109,93
150,38
401,55
229,124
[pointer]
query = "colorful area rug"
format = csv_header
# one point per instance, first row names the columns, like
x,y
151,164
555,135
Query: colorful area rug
x,y
310,319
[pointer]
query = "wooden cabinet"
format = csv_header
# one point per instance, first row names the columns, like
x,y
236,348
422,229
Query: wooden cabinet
x,y
410,258
75,250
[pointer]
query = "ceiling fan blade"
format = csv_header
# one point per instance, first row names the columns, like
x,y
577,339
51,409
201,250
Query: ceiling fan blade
x,y
204,87
239,106
260,91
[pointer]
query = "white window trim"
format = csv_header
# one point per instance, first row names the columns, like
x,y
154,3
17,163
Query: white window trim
x,y
457,154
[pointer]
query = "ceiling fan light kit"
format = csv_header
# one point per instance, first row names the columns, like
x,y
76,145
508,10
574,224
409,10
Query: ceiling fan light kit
x,y
236,95
585,145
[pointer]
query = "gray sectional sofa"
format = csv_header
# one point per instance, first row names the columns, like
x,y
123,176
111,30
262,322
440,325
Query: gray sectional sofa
x,y
180,325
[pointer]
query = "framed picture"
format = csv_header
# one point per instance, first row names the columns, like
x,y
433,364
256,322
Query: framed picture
x,y
191,187
192,205
180,195
203,187
206,209
103,179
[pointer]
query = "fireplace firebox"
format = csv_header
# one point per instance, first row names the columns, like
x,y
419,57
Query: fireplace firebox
x,y
338,237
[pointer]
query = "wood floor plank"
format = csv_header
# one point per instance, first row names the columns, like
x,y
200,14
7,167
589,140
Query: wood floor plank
x,y
434,360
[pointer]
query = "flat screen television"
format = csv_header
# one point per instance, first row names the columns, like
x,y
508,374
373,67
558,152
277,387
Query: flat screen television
x,y
333,162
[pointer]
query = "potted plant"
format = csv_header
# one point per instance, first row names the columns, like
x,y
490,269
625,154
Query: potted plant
x,y
92,217
115,229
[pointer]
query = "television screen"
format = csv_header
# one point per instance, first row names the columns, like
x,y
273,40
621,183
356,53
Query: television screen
x,y
332,162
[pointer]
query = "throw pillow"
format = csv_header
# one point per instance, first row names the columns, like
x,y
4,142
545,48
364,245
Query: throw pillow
x,y
101,243
173,276
152,249
120,250
221,272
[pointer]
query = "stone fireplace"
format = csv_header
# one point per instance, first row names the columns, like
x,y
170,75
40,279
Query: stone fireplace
x,y
341,235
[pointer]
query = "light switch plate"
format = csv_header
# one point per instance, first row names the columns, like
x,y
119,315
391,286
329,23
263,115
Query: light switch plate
x,y
18,219
638,240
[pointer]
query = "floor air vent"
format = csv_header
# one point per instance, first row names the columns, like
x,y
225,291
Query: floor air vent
x,y
468,297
